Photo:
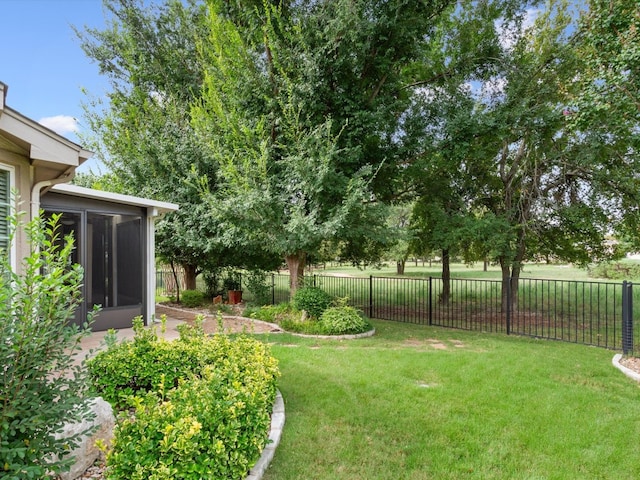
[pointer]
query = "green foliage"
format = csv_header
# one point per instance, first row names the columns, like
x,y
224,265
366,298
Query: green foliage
x,y
287,317
312,300
40,387
201,403
615,271
300,324
337,320
343,320
256,282
213,279
270,313
192,298
232,281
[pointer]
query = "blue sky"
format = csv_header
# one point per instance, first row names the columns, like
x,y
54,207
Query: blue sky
x,y
42,63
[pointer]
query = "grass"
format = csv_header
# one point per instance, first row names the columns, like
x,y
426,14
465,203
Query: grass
x,y
422,403
460,270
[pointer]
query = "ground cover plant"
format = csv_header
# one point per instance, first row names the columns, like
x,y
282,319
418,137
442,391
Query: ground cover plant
x,y
417,402
197,407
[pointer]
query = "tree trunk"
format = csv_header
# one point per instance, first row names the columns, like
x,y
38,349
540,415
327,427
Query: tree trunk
x,y
295,264
511,275
485,265
177,280
400,266
190,274
446,277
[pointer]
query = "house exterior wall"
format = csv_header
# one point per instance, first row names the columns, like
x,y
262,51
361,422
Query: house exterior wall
x,y
39,161
17,164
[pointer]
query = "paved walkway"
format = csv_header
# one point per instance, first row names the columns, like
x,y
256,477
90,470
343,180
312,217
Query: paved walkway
x,y
95,342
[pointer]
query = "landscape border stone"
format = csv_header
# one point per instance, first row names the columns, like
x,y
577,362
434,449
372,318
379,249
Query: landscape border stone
x,y
277,424
627,371
354,336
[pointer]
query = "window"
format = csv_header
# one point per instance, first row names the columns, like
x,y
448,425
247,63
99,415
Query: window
x,y
5,208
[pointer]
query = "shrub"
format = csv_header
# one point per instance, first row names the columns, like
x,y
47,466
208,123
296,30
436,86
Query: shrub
x,y
40,388
615,271
313,300
192,298
256,282
271,313
343,320
308,326
202,404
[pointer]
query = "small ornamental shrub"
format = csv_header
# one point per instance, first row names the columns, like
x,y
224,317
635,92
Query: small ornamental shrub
x,y
343,320
40,387
312,300
256,283
201,404
192,298
271,313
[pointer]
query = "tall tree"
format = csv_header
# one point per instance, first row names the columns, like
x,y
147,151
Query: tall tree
x,y
144,132
531,184
303,116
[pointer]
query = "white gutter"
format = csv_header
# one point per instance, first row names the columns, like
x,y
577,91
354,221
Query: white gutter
x,y
66,177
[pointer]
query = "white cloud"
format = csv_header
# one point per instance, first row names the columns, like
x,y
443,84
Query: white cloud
x,y
61,124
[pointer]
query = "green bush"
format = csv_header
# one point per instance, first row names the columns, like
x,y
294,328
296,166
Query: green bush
x,y
40,387
256,282
204,409
313,300
307,326
615,271
271,313
343,320
192,298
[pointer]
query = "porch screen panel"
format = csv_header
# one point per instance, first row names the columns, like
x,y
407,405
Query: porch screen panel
x,y
115,250
5,199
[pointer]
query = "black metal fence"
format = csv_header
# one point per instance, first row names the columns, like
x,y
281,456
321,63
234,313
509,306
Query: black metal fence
x,y
590,313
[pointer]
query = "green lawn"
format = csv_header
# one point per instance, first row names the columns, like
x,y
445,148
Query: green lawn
x,y
459,270
416,402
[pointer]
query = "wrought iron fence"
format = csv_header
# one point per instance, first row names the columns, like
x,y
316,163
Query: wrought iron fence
x,y
590,313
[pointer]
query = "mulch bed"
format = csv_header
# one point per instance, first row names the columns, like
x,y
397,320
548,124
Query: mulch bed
x,y
230,322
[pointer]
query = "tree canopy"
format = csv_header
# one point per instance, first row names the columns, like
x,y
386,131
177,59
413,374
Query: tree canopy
x,y
289,127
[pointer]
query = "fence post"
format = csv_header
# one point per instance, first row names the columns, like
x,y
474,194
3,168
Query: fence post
x,y
273,289
508,305
371,296
430,300
314,280
627,318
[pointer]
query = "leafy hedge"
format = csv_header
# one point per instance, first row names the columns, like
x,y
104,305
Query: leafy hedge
x,y
201,404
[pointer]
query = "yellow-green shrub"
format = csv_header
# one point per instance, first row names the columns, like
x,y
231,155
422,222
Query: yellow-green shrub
x,y
204,411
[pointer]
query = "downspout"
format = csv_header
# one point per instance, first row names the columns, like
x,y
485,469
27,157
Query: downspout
x,y
66,177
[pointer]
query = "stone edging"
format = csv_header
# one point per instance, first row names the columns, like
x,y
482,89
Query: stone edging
x,y
277,424
274,326
627,371
354,336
